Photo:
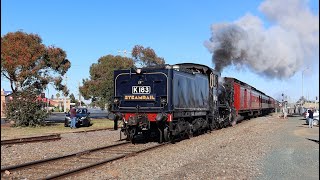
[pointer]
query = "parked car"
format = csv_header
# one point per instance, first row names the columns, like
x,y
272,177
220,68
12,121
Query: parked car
x,y
315,117
83,118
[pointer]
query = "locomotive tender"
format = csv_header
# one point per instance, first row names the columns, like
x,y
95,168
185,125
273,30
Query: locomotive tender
x,y
168,101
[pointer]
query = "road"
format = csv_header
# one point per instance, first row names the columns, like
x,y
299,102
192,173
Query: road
x,y
94,113
296,153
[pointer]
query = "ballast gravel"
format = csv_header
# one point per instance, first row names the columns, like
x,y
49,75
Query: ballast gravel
x,y
229,153
68,144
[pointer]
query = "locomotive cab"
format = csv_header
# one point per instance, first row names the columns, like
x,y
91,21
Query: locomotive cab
x,y
225,108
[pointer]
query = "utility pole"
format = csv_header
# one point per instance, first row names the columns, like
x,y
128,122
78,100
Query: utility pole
x,y
79,94
64,101
48,99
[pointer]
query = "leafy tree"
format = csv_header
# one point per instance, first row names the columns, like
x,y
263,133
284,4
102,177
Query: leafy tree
x,y
302,100
25,110
58,95
30,65
100,85
72,98
145,56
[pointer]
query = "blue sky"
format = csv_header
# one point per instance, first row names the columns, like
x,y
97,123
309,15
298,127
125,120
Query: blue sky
x,y
176,30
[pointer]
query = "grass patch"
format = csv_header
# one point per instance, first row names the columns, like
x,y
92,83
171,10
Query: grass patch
x,y
51,128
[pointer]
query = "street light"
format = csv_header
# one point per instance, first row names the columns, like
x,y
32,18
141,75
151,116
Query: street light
x,y
48,101
302,79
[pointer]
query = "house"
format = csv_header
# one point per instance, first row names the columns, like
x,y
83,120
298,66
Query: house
x,y
59,102
3,103
5,96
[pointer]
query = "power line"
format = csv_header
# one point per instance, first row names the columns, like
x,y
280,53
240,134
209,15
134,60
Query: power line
x,y
124,52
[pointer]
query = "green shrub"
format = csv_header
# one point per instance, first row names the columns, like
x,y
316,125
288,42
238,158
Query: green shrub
x,y
25,110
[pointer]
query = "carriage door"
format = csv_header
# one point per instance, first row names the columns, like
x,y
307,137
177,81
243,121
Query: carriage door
x,y
260,103
249,100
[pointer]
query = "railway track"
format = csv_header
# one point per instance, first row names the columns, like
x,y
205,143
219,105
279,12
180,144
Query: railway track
x,y
52,137
71,164
92,130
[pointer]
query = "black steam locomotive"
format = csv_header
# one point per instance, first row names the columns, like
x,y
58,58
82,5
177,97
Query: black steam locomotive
x,y
166,102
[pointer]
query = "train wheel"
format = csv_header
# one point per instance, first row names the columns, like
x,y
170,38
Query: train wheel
x,y
166,134
131,134
212,126
232,119
189,131
225,124
173,140
126,134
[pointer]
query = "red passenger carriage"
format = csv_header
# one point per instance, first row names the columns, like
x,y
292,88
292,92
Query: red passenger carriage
x,y
247,101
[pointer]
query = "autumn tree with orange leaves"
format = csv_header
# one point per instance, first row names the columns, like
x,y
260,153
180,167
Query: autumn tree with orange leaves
x,y
29,65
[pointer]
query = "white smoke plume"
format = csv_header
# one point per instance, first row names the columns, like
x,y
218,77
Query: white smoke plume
x,y
277,51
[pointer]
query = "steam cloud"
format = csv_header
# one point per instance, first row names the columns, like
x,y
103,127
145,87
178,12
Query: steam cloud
x,y
277,51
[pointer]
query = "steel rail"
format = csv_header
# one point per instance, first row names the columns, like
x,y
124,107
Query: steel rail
x,y
52,137
78,170
92,130
44,138
56,158
130,150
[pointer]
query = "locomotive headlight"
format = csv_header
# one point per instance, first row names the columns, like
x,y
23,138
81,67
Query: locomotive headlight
x,y
138,71
116,100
